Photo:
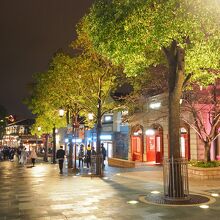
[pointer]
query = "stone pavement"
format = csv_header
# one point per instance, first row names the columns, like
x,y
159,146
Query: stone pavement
x,y
42,193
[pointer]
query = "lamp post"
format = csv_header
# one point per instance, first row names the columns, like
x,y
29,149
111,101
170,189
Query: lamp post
x,y
38,129
54,144
70,136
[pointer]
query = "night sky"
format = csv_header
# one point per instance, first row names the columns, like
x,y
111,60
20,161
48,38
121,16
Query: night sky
x,y
31,31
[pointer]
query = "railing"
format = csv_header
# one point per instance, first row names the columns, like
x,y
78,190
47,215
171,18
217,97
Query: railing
x,y
175,174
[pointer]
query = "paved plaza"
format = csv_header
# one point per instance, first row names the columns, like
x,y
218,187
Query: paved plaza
x,y
42,193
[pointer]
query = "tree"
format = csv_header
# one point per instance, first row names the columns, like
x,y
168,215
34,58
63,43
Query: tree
x,y
81,84
46,114
185,35
201,111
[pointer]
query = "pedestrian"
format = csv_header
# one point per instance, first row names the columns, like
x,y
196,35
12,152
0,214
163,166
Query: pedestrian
x,y
60,156
93,152
88,156
24,156
103,151
81,155
33,156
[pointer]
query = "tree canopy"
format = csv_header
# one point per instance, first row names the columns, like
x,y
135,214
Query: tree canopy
x,y
182,34
135,33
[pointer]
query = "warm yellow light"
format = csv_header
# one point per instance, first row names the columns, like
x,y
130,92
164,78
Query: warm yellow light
x,y
155,192
133,202
215,194
90,116
204,206
61,112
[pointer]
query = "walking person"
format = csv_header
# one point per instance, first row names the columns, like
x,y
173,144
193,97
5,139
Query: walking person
x,y
81,155
103,151
24,155
60,156
88,156
33,156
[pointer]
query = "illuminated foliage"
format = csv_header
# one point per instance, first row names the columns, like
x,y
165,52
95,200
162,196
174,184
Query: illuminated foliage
x,y
183,34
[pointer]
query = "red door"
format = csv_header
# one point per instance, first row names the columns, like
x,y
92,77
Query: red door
x,y
136,148
151,156
155,147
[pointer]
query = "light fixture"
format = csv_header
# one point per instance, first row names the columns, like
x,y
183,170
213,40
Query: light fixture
x,y
78,140
204,206
61,112
90,116
133,202
39,128
125,112
215,194
155,192
108,118
136,133
150,132
105,137
66,140
181,101
155,105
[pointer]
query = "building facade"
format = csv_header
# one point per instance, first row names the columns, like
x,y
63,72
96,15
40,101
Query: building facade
x,y
149,135
19,134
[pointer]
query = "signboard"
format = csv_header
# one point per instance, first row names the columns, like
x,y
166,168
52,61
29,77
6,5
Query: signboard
x,y
69,129
81,131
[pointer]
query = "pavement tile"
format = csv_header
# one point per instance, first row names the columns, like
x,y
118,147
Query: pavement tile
x,y
41,193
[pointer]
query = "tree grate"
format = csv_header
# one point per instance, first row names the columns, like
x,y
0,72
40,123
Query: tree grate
x,y
194,199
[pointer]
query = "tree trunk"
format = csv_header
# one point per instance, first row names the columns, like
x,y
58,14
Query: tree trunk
x,y
70,156
207,156
54,145
98,132
46,149
175,57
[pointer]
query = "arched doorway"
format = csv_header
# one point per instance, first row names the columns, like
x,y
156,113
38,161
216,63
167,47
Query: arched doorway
x,y
137,143
184,142
154,143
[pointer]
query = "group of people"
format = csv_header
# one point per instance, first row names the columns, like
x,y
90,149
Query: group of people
x,y
84,156
22,155
7,153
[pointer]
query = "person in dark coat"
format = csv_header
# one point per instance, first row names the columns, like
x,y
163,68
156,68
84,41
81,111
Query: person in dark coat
x,y
103,151
81,154
88,156
60,156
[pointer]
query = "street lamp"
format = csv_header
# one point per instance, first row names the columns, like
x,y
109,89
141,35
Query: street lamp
x,y
61,112
54,144
38,129
70,137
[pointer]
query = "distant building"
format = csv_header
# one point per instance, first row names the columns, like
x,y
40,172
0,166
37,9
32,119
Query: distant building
x,y
19,134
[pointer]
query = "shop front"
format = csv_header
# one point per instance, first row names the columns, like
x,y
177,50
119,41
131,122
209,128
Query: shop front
x,y
154,144
137,143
